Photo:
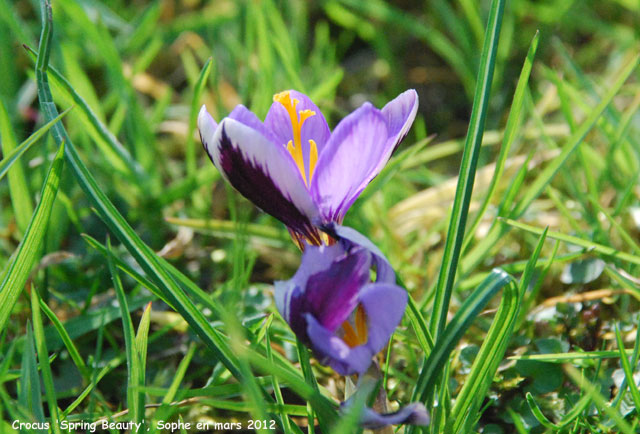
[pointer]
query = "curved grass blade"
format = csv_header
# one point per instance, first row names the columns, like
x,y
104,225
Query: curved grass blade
x,y
146,257
470,309
67,340
15,276
115,151
457,222
164,276
494,346
13,156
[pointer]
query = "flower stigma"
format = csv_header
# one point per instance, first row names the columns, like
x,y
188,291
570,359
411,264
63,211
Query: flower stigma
x,y
295,146
358,336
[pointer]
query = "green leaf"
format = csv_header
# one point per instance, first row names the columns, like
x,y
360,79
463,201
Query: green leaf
x,y
29,394
462,320
510,134
595,247
66,339
133,362
193,117
460,211
18,188
15,276
146,257
576,138
628,370
493,347
43,356
15,154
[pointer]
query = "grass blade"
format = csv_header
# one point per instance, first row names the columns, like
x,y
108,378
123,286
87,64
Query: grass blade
x,y
193,117
457,222
16,275
29,394
18,188
14,155
494,346
133,368
576,138
590,245
146,257
628,370
510,133
454,331
43,356
67,340
598,399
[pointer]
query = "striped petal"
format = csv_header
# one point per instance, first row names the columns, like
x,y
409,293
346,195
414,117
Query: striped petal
x,y
263,172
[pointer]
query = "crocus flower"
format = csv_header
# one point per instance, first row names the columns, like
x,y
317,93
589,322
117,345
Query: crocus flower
x,y
294,168
332,305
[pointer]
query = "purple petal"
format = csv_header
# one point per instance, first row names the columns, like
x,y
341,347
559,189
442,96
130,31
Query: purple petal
x,y
384,305
245,116
316,259
264,173
314,128
412,414
400,114
291,305
331,295
207,127
348,161
349,237
333,351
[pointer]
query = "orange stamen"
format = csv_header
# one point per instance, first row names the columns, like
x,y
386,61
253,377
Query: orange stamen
x,y
358,336
295,146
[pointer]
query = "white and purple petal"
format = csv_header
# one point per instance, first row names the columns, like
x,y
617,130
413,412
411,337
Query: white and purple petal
x,y
206,127
347,163
264,173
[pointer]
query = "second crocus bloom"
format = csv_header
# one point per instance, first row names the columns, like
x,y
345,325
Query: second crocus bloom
x,y
294,168
332,305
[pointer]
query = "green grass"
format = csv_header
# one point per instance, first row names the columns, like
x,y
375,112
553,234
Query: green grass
x,y
136,285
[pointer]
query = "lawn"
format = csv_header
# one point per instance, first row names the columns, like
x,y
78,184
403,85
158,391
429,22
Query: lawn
x,y
493,282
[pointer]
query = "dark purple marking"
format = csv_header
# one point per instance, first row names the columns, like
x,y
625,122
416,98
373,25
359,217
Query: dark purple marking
x,y
253,183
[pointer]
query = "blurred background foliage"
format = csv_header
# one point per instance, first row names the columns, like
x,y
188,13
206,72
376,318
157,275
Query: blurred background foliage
x,y
136,65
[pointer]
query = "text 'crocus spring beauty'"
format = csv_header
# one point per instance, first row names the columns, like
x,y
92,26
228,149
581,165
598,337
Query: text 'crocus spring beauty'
x,y
293,167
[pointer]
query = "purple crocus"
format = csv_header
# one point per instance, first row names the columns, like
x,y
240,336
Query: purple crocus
x,y
294,168
332,305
